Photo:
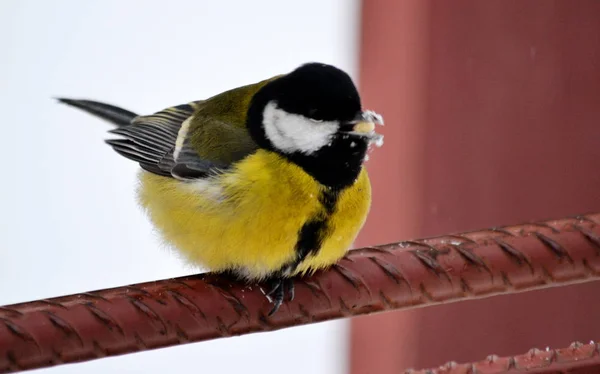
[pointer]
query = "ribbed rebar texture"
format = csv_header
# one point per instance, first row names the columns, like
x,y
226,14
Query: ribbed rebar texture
x,y
576,359
387,277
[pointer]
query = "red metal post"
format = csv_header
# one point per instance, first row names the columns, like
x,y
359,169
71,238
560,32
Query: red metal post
x,y
510,92
393,80
374,279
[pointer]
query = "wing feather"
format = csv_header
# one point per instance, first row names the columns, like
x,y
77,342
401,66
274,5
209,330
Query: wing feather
x,y
162,142
153,140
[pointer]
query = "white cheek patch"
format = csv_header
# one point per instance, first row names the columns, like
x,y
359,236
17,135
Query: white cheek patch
x,y
295,133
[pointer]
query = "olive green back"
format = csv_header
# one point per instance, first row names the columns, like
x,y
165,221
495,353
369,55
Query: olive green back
x,y
218,130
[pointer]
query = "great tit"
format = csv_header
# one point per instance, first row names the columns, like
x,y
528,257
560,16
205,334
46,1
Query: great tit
x,y
264,181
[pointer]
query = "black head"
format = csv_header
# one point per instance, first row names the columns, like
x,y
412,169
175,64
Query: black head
x,y
313,116
318,91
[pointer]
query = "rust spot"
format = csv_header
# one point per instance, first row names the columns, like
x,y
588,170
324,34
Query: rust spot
x,y
473,369
307,316
140,344
314,288
556,248
222,327
63,325
387,303
502,231
426,293
471,257
137,290
506,280
104,318
380,249
547,226
584,218
17,331
589,269
389,270
591,237
98,350
10,310
53,303
235,303
548,277
182,283
430,262
56,357
92,295
462,237
416,243
12,360
179,298
181,335
344,309
264,322
465,287
348,276
147,311
516,255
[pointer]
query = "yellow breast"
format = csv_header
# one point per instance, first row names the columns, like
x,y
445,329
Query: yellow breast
x,y
248,219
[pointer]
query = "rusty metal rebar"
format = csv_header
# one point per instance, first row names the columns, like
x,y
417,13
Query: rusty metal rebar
x,y
402,275
578,358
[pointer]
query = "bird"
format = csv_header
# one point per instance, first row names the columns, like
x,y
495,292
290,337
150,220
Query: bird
x,y
265,181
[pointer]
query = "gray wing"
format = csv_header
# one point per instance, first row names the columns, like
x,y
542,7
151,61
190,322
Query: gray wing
x,y
158,142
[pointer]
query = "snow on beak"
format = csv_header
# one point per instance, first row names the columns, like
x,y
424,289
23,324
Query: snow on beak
x,y
364,126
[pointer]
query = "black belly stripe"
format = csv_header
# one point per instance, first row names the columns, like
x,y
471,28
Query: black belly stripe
x,y
329,199
314,231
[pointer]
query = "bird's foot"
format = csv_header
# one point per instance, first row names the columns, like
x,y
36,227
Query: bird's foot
x,y
278,287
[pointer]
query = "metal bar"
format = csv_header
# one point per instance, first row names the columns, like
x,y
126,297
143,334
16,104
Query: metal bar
x,y
394,276
578,358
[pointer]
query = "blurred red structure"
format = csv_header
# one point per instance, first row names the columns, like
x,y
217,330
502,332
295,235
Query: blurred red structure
x,y
578,358
492,116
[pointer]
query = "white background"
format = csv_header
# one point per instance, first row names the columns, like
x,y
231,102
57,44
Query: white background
x,y
69,222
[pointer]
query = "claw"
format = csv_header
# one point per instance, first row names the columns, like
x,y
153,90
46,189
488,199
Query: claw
x,y
276,294
278,289
290,289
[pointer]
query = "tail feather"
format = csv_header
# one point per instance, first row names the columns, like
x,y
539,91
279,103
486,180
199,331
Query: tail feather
x,y
115,115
